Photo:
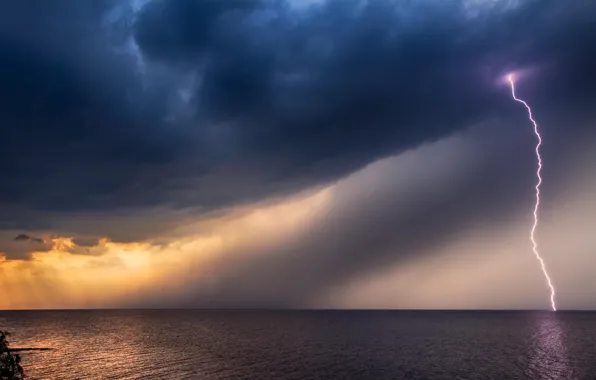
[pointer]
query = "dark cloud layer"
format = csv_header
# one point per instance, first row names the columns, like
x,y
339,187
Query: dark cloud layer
x,y
21,245
114,107
24,237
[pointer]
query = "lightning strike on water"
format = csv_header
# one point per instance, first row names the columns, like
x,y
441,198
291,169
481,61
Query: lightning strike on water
x,y
537,205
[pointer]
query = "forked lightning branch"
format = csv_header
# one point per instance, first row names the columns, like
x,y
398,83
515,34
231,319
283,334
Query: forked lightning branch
x,y
511,80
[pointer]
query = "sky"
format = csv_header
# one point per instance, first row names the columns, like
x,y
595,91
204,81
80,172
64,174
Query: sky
x,y
295,153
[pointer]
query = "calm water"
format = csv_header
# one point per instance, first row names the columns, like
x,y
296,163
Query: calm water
x,y
306,345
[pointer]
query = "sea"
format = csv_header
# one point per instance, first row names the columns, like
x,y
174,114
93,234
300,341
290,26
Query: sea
x,y
261,345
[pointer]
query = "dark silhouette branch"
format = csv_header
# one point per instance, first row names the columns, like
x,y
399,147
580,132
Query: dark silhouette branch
x,y
10,363
29,349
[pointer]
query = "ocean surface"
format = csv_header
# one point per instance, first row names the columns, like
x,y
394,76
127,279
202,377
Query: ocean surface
x,y
436,345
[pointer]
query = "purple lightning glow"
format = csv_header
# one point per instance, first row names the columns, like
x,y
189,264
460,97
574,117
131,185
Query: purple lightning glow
x,y
537,205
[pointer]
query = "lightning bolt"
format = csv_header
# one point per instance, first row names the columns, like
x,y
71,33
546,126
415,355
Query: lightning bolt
x,y
537,204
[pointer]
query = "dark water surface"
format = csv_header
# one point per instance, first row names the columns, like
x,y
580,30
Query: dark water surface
x,y
306,344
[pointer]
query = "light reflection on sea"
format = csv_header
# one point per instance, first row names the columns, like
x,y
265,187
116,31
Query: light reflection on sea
x,y
306,345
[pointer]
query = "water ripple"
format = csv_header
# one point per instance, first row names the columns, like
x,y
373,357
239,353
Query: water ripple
x,y
306,345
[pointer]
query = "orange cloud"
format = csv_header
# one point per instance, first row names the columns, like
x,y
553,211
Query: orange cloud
x,y
111,272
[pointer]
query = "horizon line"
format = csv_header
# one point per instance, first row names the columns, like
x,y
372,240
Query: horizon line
x,y
293,309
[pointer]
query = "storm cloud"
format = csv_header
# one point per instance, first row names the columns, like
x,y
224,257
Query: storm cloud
x,y
397,210
118,108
